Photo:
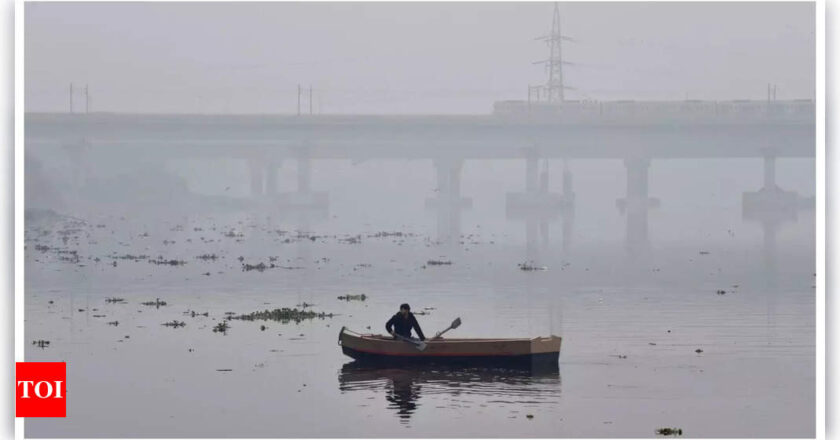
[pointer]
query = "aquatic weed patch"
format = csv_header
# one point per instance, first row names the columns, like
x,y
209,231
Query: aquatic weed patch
x,y
669,432
284,315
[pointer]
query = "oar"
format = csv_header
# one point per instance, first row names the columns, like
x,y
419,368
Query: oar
x,y
419,344
455,324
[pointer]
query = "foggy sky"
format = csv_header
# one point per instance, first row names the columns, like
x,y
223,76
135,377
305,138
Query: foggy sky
x,y
405,57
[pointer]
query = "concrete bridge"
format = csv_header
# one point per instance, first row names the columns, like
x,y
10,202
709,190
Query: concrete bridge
x,y
264,142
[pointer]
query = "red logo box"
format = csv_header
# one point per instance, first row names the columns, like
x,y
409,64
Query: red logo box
x,y
40,389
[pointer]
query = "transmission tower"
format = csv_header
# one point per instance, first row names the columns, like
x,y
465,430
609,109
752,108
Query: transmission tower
x,y
554,64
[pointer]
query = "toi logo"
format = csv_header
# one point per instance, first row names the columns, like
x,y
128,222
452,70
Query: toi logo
x,y
40,389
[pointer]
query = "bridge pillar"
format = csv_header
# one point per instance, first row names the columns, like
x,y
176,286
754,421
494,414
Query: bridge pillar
x,y
537,206
772,207
637,204
769,171
448,202
531,174
304,174
771,199
304,197
271,177
256,174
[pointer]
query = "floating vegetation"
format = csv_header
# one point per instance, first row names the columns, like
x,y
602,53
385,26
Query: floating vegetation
x,y
114,323
41,343
130,257
114,300
439,262
284,315
157,303
351,240
262,267
360,297
669,431
305,304
174,324
233,234
530,266
207,257
258,267
385,234
221,327
161,260
193,313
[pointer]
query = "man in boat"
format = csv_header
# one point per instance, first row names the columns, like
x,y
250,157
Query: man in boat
x,y
402,323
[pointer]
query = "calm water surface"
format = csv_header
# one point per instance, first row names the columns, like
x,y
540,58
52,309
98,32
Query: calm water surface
x,y
634,310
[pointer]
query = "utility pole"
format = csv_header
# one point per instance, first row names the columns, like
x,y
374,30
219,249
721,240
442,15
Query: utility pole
x,y
71,97
310,99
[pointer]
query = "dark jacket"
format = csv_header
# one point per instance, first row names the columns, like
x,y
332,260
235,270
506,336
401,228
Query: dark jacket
x,y
402,326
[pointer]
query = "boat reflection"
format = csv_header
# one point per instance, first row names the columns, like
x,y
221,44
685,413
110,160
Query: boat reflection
x,y
451,386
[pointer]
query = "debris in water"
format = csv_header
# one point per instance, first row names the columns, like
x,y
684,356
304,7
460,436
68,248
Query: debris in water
x,y
262,328
351,240
721,292
161,260
114,300
439,262
530,266
129,257
224,369
259,267
698,350
283,315
157,303
41,343
174,324
529,416
348,297
114,323
221,327
206,257
669,431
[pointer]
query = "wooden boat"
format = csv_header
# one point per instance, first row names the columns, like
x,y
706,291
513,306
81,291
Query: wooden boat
x,y
539,351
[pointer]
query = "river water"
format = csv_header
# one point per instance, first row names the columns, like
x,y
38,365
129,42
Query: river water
x,y
648,340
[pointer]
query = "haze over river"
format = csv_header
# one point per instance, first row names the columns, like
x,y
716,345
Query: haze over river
x,y
701,317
